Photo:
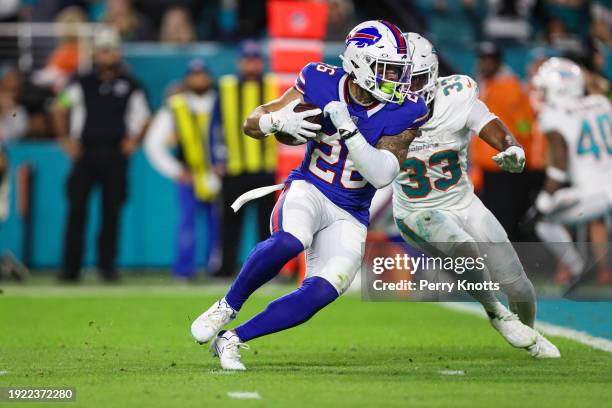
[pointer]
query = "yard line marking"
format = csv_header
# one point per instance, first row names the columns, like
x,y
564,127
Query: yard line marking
x,y
244,395
598,343
451,372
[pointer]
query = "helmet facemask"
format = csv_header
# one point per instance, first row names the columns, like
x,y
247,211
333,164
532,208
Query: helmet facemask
x,y
385,79
423,83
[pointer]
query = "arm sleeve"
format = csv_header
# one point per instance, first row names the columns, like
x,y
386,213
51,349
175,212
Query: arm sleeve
x,y
548,120
137,112
156,146
378,166
478,116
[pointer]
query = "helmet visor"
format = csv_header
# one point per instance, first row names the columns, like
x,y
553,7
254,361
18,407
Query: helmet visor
x,y
392,79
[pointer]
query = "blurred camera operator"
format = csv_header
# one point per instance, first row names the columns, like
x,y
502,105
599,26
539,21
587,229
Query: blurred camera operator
x,y
99,117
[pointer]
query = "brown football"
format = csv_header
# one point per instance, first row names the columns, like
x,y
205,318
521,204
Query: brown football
x,y
286,138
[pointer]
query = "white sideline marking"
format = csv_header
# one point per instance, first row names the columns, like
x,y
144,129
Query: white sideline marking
x,y
244,395
550,329
452,372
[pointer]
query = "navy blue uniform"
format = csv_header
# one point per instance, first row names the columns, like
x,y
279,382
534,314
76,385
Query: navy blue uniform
x,y
325,163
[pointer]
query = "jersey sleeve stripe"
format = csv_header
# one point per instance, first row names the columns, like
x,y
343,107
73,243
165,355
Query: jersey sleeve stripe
x,y
420,118
298,88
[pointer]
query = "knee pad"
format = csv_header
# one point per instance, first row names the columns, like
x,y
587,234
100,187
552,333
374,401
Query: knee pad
x,y
338,271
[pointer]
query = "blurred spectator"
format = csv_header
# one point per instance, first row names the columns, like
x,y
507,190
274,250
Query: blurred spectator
x,y
591,58
131,25
574,15
250,163
9,10
190,121
454,22
64,60
601,26
507,195
177,27
13,116
340,19
108,113
508,20
251,16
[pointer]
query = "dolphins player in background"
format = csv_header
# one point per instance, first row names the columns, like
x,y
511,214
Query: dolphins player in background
x,y
579,136
323,209
434,204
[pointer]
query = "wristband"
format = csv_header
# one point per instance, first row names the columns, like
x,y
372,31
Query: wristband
x,y
346,134
556,174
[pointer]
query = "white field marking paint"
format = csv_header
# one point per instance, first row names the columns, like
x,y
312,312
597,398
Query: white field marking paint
x,y
243,395
128,289
598,343
452,372
3,372
217,371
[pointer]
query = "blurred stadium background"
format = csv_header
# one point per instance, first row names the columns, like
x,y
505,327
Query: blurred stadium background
x,y
43,43
130,343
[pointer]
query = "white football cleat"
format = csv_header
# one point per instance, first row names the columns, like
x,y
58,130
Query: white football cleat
x,y
514,331
227,347
543,348
208,324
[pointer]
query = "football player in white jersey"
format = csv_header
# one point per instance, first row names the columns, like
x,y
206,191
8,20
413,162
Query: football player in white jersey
x,y
579,137
434,204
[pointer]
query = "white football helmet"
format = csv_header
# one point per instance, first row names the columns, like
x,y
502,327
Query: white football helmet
x,y
558,79
424,66
378,58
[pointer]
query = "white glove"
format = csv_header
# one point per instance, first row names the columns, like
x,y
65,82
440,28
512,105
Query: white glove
x,y
287,121
561,199
340,117
511,160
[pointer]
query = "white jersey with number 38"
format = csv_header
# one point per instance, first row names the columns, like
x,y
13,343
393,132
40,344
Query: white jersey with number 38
x,y
434,173
585,127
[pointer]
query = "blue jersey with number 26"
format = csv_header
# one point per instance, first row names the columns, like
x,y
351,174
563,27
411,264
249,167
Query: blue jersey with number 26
x,y
326,164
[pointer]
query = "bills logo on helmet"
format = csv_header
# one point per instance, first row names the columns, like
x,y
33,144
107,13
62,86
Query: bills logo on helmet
x,y
364,37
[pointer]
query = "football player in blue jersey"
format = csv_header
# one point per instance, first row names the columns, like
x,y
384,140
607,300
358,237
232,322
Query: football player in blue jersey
x,y
370,120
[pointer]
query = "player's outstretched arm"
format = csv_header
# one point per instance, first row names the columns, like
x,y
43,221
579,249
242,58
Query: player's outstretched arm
x,y
511,156
278,115
549,197
378,165
556,172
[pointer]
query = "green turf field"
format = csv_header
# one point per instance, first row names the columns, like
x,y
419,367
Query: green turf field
x,y
131,346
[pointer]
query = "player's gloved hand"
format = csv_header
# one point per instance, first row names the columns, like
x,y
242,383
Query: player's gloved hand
x,y
511,160
341,118
287,121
